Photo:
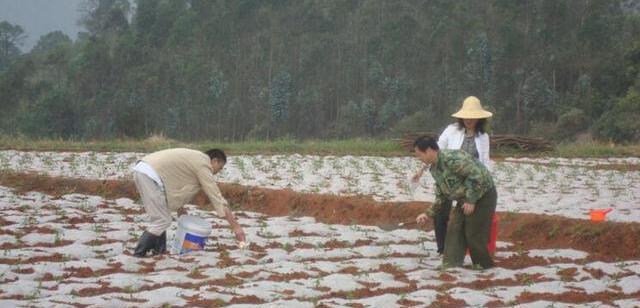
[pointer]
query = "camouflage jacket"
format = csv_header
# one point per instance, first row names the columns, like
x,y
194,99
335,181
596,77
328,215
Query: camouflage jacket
x,y
460,177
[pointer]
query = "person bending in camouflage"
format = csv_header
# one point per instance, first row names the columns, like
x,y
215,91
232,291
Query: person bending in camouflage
x,y
458,176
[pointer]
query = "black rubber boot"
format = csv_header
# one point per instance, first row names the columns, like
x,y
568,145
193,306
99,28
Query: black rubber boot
x,y
147,242
161,245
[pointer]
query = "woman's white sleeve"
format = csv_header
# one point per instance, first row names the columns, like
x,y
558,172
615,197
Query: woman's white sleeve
x,y
443,140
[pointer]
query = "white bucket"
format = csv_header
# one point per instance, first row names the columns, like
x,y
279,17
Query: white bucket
x,y
191,235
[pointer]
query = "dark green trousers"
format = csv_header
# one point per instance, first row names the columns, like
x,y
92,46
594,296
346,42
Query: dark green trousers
x,y
472,232
440,222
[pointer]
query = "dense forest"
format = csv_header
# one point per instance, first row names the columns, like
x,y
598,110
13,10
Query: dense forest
x,y
265,69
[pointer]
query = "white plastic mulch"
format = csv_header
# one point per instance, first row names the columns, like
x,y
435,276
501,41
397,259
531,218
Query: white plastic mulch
x,y
74,251
554,186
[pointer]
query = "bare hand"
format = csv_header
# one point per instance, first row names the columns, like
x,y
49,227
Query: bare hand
x,y
235,226
416,177
467,208
422,218
182,211
240,236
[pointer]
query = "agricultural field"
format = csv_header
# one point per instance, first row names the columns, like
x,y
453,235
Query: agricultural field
x,y
74,249
554,186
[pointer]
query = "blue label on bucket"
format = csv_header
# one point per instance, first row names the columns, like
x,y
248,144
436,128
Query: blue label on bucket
x,y
192,242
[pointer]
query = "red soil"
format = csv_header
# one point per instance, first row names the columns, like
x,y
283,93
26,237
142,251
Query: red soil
x,y
79,220
228,280
251,299
36,229
24,270
289,276
86,272
575,297
50,258
297,233
101,242
5,222
196,301
54,244
70,304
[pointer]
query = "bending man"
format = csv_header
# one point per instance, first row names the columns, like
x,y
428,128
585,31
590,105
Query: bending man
x,y
167,180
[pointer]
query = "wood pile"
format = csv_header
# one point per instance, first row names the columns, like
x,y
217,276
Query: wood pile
x,y
531,144
502,142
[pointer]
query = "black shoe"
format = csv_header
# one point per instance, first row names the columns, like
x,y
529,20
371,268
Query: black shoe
x,y
161,245
147,242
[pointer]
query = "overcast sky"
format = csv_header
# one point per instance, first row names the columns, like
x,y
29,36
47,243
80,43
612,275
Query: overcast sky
x,y
38,17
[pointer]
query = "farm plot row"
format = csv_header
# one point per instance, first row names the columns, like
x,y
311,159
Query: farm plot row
x,y
74,250
554,186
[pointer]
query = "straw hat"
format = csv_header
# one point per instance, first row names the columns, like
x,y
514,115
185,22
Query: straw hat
x,y
471,109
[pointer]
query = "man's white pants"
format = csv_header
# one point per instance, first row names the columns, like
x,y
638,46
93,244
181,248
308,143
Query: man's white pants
x,y
155,203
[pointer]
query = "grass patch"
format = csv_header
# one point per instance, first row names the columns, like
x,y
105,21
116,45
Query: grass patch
x,y
281,146
588,231
358,146
553,231
115,145
596,149
316,147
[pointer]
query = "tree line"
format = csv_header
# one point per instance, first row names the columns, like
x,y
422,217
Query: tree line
x,y
264,69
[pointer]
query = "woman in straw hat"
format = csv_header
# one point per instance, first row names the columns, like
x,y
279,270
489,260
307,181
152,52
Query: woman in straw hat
x,y
467,135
